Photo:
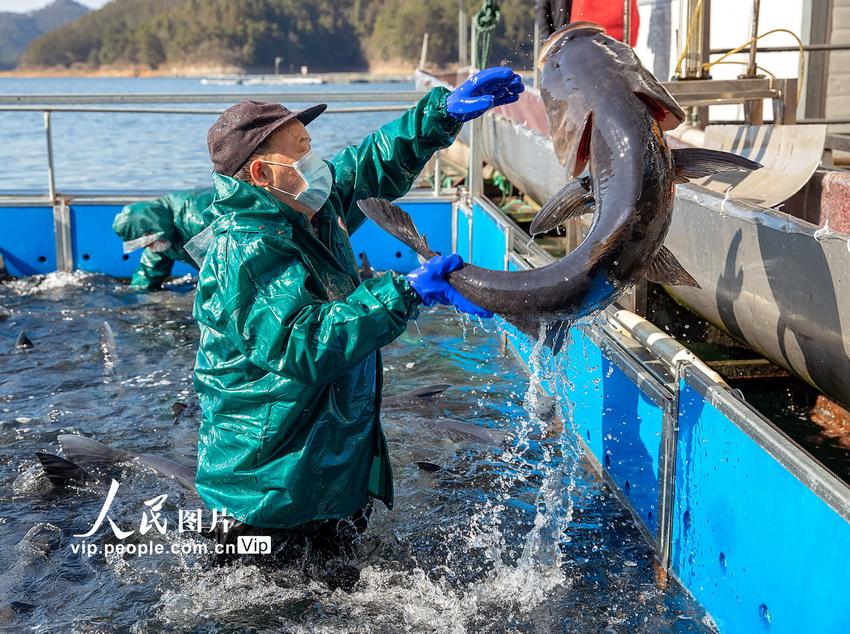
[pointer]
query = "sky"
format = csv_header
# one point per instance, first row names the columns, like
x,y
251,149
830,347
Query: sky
x,y
20,6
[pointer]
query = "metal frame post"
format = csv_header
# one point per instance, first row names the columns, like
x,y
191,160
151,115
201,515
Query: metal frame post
x,y
462,19
51,180
754,110
627,22
437,174
667,473
62,236
535,77
475,183
61,212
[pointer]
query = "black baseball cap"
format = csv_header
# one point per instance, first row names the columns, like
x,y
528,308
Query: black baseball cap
x,y
242,128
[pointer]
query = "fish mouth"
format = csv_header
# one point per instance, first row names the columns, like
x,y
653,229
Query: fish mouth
x,y
571,28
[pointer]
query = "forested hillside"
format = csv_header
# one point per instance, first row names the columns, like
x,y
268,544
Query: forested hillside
x,y
249,34
17,30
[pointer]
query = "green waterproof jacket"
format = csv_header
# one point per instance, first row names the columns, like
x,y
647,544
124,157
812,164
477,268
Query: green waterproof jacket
x,y
178,216
288,370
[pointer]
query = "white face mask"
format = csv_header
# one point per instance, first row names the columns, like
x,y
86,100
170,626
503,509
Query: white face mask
x,y
317,177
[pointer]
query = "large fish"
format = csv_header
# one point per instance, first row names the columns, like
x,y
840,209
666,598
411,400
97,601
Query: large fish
x,y
606,113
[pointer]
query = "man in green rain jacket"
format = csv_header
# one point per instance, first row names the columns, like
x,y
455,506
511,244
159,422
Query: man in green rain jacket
x,y
161,226
288,370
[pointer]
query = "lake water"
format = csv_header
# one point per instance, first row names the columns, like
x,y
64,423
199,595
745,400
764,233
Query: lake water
x,y
140,152
502,530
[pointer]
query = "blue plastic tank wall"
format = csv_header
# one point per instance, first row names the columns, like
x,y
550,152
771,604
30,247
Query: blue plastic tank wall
x,y
98,249
489,240
26,242
432,218
758,549
28,245
620,424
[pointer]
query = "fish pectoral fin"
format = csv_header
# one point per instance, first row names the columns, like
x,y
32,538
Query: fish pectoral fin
x,y
666,269
58,470
572,200
691,163
397,222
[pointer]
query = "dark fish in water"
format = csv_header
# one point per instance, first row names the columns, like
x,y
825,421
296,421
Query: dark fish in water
x,y
608,113
23,342
177,409
42,538
459,431
81,452
366,271
415,396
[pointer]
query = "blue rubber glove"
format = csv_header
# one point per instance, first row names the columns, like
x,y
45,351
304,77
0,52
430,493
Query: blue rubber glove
x,y
429,281
486,89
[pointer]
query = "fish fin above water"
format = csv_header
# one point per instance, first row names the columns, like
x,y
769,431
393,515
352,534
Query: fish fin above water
x,y
424,465
413,396
691,163
91,452
23,342
572,200
58,470
184,476
428,390
666,269
397,222
366,271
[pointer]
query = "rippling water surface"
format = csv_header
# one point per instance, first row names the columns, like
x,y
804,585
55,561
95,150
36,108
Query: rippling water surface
x,y
502,530
125,151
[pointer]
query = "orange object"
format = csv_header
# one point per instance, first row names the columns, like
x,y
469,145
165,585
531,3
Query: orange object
x,y
608,14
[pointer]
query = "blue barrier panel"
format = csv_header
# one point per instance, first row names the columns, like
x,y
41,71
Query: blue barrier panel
x,y
26,242
432,218
489,242
757,548
98,249
620,424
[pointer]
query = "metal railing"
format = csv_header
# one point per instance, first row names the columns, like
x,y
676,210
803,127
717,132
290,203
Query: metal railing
x,y
138,104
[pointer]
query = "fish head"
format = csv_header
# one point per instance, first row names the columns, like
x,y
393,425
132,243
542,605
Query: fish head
x,y
582,69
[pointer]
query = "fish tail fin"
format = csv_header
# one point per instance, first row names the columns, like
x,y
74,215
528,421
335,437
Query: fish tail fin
x,y
91,452
58,470
666,269
691,163
397,222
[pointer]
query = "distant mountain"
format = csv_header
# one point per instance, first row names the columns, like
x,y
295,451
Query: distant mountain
x,y
325,35
17,30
